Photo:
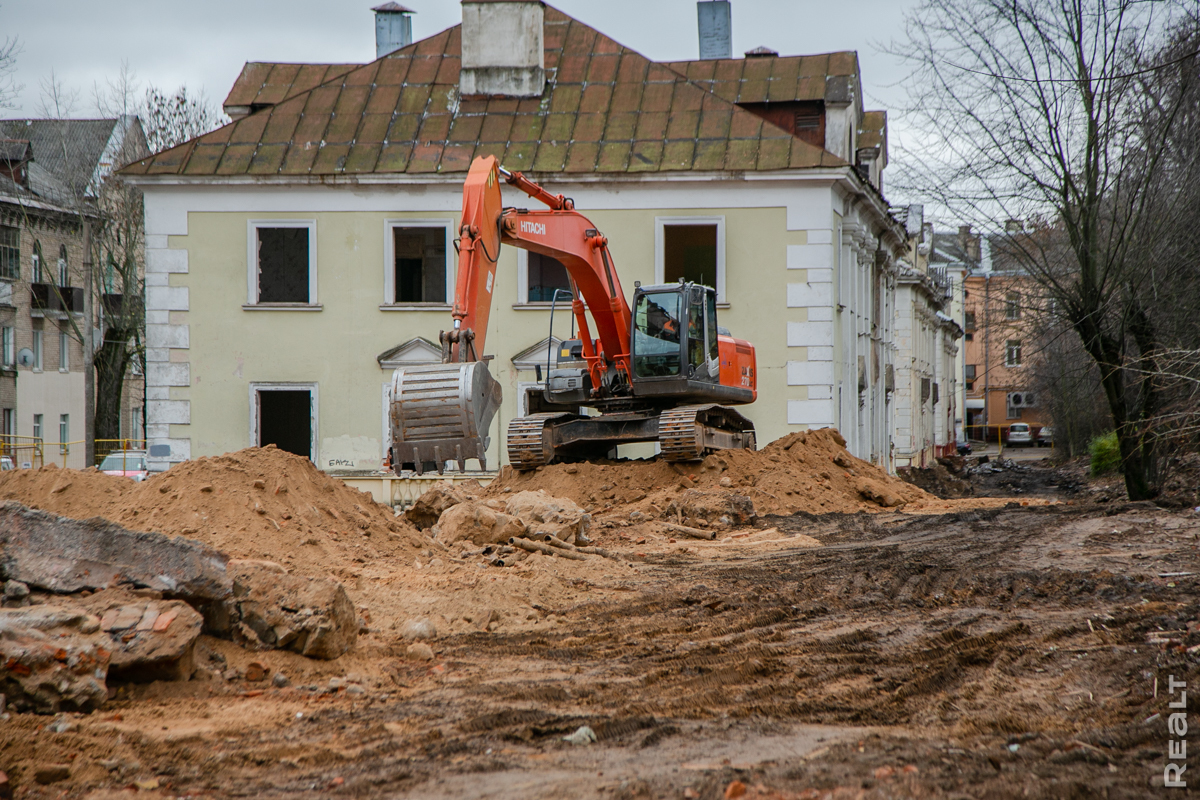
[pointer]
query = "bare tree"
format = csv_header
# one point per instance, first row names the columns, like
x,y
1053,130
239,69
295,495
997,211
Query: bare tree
x,y
173,119
10,48
1035,109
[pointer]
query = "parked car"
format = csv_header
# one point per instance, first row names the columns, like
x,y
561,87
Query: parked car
x,y
1019,433
1045,437
6,463
126,464
964,448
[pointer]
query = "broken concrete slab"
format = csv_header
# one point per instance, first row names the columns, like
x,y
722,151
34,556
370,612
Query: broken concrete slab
x,y
65,555
53,659
150,640
310,616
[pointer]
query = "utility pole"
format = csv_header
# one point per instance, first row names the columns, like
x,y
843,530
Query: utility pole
x,y
89,355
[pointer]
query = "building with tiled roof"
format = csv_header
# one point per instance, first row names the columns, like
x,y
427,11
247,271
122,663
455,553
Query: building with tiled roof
x,y
760,175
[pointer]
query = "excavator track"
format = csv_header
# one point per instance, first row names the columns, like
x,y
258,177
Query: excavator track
x,y
529,440
687,433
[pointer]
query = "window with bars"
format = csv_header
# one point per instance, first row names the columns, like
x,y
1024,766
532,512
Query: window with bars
x,y
10,252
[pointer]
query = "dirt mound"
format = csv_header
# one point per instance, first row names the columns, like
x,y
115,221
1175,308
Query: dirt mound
x,y
255,503
808,471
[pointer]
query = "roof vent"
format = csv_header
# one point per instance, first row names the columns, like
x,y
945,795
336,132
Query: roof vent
x,y
762,52
502,50
393,28
716,28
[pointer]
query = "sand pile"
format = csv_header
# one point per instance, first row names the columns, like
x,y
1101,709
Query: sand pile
x,y
254,503
808,471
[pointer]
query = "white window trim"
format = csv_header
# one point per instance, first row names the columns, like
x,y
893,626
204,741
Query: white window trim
x,y
9,343
257,387
522,410
389,264
252,227
39,348
64,352
660,224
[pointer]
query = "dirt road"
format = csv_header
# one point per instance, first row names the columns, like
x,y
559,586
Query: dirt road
x,y
1006,652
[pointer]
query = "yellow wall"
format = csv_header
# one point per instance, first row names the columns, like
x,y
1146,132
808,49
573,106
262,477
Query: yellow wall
x,y
337,346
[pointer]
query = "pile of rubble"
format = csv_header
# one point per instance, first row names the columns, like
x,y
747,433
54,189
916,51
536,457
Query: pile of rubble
x,y
89,602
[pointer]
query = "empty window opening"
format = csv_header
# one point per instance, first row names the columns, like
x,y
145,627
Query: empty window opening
x,y
546,275
420,265
10,252
285,420
690,253
283,265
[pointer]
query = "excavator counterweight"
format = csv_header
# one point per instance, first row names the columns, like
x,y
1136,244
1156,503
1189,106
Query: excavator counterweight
x,y
661,371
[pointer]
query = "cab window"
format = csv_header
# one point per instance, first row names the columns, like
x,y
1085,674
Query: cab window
x,y
656,330
696,352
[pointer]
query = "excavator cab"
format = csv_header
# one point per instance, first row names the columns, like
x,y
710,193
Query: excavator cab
x,y
674,339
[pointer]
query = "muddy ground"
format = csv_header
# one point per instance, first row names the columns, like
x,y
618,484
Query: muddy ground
x,y
999,652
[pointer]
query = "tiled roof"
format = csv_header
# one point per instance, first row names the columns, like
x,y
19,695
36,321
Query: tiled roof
x,y
268,84
605,109
770,80
872,129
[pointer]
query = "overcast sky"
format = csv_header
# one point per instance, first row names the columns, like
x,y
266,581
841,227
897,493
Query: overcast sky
x,y
204,44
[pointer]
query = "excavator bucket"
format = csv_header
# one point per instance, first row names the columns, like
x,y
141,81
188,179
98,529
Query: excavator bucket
x,y
441,413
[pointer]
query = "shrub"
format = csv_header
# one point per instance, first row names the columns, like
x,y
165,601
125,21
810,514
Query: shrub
x,y
1106,453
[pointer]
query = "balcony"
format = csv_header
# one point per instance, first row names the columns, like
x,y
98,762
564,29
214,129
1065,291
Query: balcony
x,y
46,298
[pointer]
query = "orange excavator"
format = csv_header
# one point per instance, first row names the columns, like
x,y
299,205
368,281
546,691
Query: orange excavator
x,y
664,372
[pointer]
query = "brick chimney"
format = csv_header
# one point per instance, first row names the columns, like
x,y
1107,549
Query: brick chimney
x,y
502,49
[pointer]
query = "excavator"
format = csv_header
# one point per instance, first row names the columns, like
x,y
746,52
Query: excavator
x,y
662,372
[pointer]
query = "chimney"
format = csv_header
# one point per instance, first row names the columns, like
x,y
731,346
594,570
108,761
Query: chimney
x,y
716,28
393,28
502,50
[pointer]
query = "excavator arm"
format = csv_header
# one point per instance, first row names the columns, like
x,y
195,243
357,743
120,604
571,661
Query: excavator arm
x,y
559,231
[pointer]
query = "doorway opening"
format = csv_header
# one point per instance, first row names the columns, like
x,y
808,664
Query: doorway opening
x,y
285,419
